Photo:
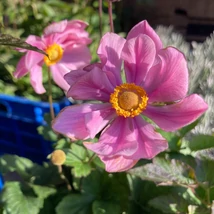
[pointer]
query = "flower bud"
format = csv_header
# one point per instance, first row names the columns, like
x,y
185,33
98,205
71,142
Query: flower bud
x,y
58,157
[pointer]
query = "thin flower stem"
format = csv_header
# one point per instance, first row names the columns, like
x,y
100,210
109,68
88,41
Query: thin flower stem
x,y
92,158
100,17
110,16
63,177
208,195
50,99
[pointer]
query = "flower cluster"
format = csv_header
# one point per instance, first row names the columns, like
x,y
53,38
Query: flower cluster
x,y
65,43
153,85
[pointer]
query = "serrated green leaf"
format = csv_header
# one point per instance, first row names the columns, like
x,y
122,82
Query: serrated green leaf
x,y
6,39
15,202
165,172
105,207
77,158
81,169
75,155
75,204
201,142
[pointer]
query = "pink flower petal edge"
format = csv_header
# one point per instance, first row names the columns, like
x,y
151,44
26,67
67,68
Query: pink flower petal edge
x,y
79,121
175,116
144,28
117,163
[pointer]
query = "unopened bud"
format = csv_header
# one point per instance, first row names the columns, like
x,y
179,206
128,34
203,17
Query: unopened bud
x,y
58,157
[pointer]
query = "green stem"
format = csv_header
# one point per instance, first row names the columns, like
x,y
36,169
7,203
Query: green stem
x,y
50,99
110,16
91,158
63,177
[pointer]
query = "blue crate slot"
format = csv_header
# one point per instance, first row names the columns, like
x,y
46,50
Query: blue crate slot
x,y
1,182
19,119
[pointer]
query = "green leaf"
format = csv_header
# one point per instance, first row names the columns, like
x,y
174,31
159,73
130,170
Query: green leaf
x,y
19,168
169,204
172,138
75,204
105,207
77,158
176,202
139,187
6,39
165,172
16,201
201,142
11,163
81,169
193,209
188,128
47,133
204,172
42,191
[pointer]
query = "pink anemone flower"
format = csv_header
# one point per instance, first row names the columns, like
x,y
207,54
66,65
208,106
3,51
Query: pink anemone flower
x,y
66,44
154,85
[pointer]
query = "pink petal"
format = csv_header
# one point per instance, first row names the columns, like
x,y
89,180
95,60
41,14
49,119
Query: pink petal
x,y
175,116
138,54
77,24
73,76
74,121
97,120
109,52
58,71
117,139
36,41
94,85
150,143
144,28
56,27
76,57
21,69
117,163
33,58
172,83
36,79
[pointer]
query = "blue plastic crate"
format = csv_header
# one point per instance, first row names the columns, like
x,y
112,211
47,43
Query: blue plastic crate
x,y
19,119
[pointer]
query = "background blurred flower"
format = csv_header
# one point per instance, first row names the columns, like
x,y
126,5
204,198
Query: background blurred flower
x,y
65,43
156,87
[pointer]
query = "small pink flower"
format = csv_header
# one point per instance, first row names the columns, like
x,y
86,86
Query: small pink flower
x,y
154,85
66,44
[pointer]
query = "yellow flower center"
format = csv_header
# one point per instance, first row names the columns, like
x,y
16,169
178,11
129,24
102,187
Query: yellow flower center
x,y
55,53
129,100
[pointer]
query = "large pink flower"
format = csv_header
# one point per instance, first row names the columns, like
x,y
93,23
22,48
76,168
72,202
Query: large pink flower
x,y
66,44
154,85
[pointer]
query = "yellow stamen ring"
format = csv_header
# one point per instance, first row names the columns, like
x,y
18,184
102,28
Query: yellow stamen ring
x,y
129,100
55,53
